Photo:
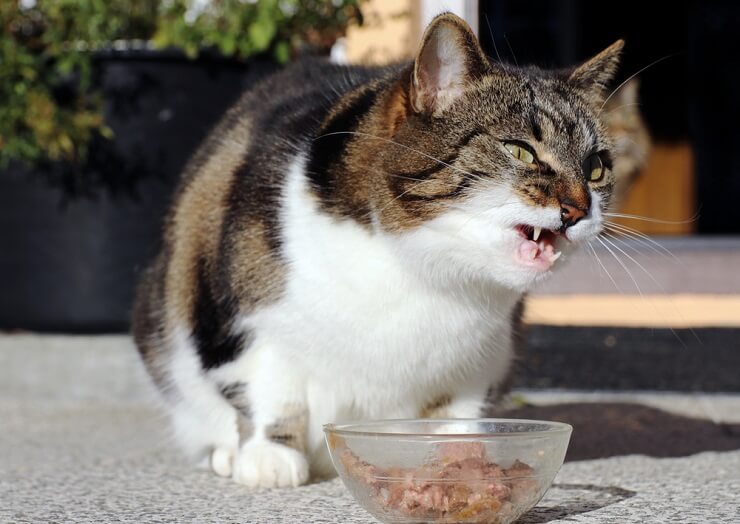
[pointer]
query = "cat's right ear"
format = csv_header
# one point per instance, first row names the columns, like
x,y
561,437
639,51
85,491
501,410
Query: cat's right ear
x,y
449,59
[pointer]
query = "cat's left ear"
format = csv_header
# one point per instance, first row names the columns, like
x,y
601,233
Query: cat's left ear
x,y
449,58
593,76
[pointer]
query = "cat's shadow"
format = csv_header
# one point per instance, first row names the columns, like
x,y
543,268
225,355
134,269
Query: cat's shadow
x,y
577,499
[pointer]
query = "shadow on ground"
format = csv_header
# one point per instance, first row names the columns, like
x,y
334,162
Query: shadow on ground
x,y
611,429
579,498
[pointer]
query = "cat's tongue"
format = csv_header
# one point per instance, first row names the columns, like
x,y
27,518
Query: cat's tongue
x,y
537,255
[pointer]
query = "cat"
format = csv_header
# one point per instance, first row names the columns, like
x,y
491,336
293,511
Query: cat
x,y
353,242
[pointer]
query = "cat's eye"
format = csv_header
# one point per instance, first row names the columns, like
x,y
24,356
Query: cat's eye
x,y
520,152
594,168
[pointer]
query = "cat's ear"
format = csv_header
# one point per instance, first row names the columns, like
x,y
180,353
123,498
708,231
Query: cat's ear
x,y
593,76
449,58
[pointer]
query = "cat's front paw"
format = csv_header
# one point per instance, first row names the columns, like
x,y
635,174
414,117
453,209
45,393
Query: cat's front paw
x,y
221,461
269,465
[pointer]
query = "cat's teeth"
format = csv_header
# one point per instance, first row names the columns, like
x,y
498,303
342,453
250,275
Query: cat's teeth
x,y
533,254
536,233
556,256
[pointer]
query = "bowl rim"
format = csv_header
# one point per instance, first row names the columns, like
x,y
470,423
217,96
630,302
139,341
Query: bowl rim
x,y
554,428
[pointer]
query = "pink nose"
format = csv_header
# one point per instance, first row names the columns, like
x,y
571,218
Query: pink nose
x,y
570,214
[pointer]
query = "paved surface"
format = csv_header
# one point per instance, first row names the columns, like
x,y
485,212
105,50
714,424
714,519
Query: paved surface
x,y
80,442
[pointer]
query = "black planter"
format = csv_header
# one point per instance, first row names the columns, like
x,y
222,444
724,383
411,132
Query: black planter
x,y
69,261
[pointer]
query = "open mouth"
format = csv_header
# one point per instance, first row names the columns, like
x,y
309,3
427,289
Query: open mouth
x,y
538,247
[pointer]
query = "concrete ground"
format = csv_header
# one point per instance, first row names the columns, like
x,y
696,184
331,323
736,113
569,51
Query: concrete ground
x,y
80,441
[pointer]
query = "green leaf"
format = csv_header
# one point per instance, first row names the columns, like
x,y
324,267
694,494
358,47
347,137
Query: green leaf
x,y
282,52
261,32
228,44
106,132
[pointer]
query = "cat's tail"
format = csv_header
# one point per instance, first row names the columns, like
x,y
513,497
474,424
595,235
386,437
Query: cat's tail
x,y
148,323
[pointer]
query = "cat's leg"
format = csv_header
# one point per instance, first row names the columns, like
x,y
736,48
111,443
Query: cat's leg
x,y
472,398
222,456
274,456
464,402
469,400
272,418
202,418
202,428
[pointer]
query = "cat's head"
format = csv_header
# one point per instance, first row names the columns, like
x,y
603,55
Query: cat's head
x,y
494,171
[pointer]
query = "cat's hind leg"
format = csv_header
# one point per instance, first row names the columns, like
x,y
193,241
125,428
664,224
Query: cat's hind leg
x,y
203,420
206,431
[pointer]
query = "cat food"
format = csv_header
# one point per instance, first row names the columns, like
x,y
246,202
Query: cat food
x,y
457,484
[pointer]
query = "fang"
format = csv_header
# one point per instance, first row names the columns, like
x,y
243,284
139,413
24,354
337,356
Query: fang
x,y
536,234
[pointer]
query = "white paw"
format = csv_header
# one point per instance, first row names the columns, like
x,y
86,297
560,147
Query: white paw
x,y
264,464
221,459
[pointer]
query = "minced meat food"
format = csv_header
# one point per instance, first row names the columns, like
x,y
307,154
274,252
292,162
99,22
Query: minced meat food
x,y
459,483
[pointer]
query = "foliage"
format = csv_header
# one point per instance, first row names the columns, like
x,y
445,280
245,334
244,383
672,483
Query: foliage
x,y
49,109
243,28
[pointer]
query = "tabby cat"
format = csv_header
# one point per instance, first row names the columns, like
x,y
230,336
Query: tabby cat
x,y
352,243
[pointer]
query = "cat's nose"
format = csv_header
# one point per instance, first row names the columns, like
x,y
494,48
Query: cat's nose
x,y
570,214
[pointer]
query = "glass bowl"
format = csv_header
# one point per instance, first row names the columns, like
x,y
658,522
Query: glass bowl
x,y
456,470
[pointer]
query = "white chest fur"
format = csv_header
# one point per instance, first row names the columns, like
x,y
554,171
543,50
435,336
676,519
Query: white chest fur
x,y
365,327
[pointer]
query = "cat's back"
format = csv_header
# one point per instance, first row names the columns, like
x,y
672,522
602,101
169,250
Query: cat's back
x,y
275,118
228,199
241,166
286,106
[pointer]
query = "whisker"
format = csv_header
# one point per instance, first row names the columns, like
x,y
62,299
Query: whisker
x,y
620,86
603,267
473,216
401,195
659,286
493,40
412,179
468,174
512,50
637,286
613,244
420,181
497,206
622,107
642,239
656,220
391,201
368,135
629,273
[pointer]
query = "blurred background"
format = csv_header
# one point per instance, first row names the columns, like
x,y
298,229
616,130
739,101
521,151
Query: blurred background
x,y
102,102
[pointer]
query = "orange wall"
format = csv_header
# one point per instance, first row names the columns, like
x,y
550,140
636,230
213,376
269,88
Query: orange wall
x,y
390,32
664,191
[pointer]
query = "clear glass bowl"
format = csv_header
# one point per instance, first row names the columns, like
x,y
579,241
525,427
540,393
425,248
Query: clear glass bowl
x,y
457,470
